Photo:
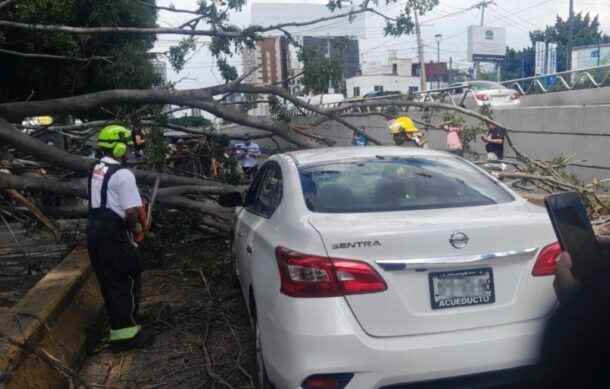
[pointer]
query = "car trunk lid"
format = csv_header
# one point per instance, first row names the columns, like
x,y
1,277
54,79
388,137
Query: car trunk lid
x,y
413,253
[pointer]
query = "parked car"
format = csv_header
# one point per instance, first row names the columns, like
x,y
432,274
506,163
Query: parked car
x,y
473,94
382,94
375,266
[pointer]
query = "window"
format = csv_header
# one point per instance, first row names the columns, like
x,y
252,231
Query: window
x,y
356,91
388,184
489,35
394,69
413,89
378,88
265,193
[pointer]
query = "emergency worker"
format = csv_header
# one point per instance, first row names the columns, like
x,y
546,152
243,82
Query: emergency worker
x,y
404,132
113,208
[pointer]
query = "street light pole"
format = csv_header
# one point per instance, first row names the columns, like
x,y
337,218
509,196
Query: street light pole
x,y
438,38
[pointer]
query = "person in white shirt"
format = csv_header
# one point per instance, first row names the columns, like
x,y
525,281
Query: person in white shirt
x,y
113,218
248,152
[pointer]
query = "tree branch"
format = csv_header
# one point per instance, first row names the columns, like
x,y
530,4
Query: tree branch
x,y
53,57
174,31
6,3
62,159
281,26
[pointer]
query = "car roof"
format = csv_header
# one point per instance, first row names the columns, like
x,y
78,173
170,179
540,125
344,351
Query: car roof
x,y
332,154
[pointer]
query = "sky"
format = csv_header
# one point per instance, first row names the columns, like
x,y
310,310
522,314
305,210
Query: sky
x,y
450,18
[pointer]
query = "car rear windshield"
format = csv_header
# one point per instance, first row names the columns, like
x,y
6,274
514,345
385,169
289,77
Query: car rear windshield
x,y
388,184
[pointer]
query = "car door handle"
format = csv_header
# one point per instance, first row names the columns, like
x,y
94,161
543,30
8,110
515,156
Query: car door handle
x,y
249,249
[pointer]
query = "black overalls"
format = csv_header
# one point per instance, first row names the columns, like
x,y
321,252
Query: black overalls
x,y
116,261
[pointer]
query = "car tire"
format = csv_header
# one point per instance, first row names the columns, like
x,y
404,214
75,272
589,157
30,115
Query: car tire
x,y
262,379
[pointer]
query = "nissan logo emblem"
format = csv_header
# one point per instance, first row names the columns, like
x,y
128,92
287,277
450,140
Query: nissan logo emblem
x,y
459,240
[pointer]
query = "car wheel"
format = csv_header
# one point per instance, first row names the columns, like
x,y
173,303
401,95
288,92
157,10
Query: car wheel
x,y
261,374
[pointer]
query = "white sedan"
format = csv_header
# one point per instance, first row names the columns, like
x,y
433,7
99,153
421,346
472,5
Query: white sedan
x,y
369,267
474,94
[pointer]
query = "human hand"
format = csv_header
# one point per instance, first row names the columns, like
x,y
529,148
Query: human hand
x,y
483,138
565,284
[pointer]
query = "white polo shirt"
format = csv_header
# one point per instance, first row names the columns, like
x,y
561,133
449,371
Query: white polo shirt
x,y
122,190
250,153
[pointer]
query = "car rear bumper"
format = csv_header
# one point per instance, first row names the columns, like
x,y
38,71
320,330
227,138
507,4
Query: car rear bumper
x,y
342,347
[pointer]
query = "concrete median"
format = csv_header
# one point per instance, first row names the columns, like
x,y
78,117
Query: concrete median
x,y
42,337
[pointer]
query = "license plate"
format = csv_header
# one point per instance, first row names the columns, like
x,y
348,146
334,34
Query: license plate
x,y
461,288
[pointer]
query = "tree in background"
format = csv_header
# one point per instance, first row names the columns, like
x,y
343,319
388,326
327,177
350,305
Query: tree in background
x,y
520,63
318,71
191,121
57,64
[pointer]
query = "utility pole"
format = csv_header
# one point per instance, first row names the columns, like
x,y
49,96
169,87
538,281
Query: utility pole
x,y
482,5
420,50
570,36
450,70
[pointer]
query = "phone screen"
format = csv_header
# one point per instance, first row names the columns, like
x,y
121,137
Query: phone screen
x,y
574,232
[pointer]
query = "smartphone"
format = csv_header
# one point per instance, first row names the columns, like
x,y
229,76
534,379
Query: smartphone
x,y
574,232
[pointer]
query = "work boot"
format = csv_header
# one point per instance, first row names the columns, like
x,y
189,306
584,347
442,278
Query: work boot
x,y
141,340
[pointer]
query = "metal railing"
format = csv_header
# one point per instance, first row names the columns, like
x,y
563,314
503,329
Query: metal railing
x,y
587,78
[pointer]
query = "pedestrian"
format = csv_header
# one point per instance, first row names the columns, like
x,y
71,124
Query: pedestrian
x,y
494,140
455,131
405,134
139,141
248,152
359,139
113,208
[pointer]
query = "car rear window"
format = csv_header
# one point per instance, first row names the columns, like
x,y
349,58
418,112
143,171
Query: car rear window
x,y
388,184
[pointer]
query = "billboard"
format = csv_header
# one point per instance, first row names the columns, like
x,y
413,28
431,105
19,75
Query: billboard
x,y
266,14
546,58
551,62
590,56
486,44
540,58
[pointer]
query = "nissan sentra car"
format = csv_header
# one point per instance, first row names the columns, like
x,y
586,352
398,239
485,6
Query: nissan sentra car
x,y
371,267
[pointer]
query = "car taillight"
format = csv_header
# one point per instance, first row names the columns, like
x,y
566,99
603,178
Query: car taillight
x,y
327,381
545,264
515,95
305,275
481,96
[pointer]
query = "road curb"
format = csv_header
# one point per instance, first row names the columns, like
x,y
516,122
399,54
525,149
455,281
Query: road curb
x,y
49,323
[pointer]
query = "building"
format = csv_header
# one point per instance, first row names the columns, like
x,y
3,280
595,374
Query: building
x,y
435,72
343,50
361,85
272,57
395,75
295,82
160,69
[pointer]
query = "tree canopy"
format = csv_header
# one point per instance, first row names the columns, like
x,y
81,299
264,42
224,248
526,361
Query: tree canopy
x,y
57,64
520,63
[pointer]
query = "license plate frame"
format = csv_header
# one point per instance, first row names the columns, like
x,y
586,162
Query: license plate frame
x,y
481,276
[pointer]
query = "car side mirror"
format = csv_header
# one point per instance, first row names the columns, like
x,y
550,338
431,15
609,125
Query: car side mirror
x,y
230,200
